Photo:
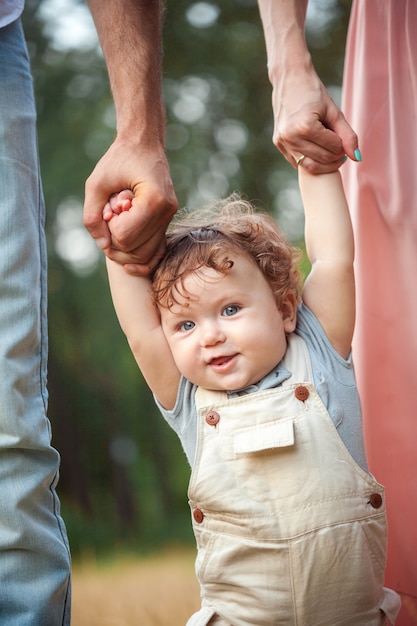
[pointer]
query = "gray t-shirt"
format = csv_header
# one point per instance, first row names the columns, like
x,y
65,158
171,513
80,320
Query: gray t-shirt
x,y
334,380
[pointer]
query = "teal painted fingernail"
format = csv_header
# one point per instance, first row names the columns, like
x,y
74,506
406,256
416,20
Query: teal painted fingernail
x,y
358,155
344,159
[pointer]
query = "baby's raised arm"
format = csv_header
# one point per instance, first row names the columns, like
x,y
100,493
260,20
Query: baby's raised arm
x,y
329,290
140,322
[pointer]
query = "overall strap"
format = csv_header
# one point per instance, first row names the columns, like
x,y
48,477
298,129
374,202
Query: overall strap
x,y
297,361
208,397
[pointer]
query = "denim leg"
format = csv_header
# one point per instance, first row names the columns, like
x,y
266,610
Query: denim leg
x,y
34,553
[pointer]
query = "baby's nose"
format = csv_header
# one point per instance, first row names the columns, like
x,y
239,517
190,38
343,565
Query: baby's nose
x,y
211,334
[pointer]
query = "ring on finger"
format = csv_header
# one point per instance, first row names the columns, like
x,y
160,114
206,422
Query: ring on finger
x,y
300,159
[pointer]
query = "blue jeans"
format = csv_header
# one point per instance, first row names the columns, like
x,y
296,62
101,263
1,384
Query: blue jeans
x,y
34,553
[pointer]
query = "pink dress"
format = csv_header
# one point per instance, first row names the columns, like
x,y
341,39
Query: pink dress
x,y
380,102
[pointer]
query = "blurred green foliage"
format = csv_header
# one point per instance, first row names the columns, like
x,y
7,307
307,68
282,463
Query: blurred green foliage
x,y
123,474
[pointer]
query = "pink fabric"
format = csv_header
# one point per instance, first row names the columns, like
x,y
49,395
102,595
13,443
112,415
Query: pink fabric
x,y
380,102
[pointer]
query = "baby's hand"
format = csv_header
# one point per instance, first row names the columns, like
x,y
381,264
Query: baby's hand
x,y
118,203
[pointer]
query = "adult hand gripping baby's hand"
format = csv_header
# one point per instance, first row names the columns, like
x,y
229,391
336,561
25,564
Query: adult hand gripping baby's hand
x,y
308,122
136,238
117,205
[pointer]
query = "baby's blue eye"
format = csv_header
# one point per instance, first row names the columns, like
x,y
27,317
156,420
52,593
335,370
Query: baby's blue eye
x,y
186,326
230,310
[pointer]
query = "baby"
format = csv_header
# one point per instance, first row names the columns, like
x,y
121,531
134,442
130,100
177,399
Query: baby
x,y
255,376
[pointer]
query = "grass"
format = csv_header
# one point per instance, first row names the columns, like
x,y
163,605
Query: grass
x,y
154,591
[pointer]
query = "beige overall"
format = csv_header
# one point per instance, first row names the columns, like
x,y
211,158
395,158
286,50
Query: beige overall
x,y
289,529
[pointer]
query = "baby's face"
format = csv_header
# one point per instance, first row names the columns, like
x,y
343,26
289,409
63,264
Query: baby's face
x,y
225,331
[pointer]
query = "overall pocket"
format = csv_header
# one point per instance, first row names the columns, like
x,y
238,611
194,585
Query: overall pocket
x,y
270,460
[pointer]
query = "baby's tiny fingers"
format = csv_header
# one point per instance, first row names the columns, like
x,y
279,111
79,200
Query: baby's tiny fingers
x,y
107,212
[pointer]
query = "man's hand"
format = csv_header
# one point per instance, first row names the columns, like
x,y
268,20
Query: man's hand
x,y
137,235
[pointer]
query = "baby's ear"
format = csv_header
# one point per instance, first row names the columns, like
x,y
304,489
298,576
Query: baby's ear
x,y
289,311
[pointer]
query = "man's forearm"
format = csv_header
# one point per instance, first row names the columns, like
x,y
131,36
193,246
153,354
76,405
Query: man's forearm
x,y
130,36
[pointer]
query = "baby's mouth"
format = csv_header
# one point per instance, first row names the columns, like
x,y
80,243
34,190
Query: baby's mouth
x,y
221,360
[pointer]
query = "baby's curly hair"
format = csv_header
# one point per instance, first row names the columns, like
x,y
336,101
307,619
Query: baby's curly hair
x,y
207,238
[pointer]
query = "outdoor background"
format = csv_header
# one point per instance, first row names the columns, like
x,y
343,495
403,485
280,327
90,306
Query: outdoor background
x,y
123,474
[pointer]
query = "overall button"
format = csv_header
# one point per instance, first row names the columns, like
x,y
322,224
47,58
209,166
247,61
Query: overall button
x,y
301,393
198,515
212,418
375,500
